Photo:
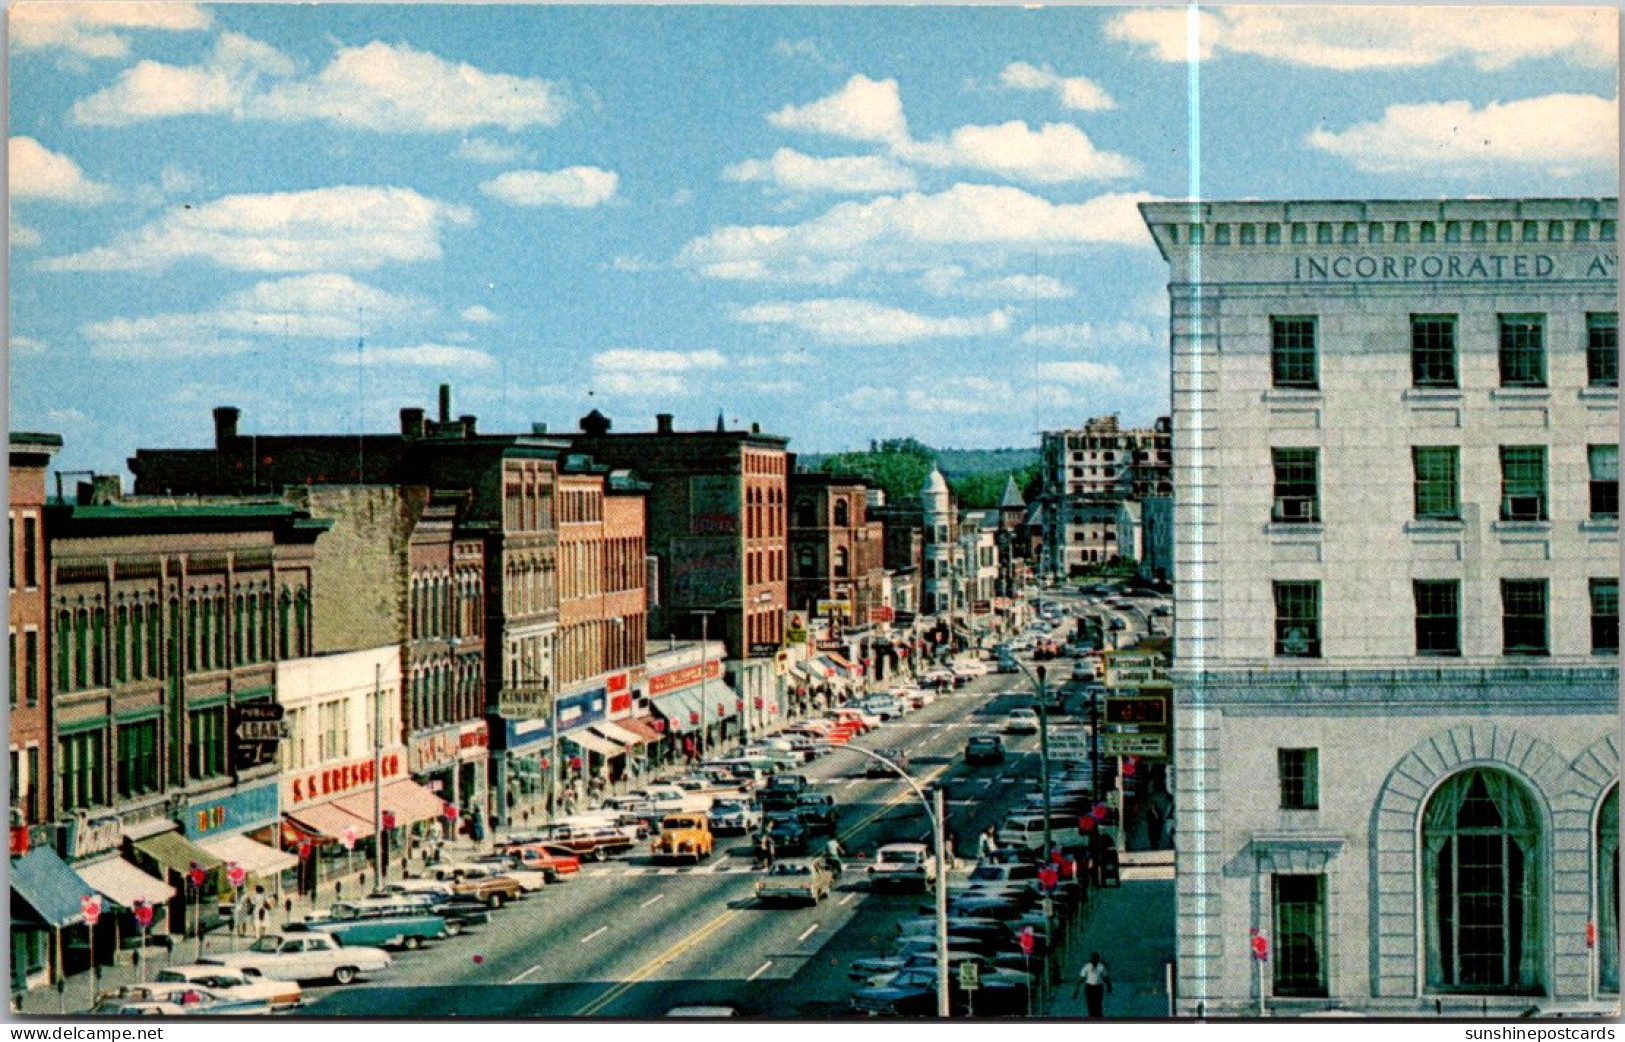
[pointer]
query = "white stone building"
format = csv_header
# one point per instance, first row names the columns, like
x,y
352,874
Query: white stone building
x,y
1396,586
941,554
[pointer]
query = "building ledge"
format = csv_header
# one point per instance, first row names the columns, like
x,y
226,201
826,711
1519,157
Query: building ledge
x,y
1293,395
1305,529
1435,526
1520,394
1600,394
1521,527
1432,395
1600,524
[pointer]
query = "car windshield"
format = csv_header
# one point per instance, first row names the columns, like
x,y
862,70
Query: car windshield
x,y
785,868
987,872
269,943
901,857
728,807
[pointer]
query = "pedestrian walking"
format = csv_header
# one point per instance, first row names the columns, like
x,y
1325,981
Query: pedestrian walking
x,y
951,841
987,845
1096,981
1153,824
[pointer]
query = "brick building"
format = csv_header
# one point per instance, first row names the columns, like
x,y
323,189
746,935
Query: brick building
x,y
31,746
837,554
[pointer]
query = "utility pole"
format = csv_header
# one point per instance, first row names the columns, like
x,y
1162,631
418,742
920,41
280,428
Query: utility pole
x,y
378,771
705,667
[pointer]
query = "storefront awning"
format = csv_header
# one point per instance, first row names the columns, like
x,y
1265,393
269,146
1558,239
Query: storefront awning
x,y
256,859
643,727
407,800
48,886
177,853
796,672
124,884
613,732
681,709
330,820
593,743
722,702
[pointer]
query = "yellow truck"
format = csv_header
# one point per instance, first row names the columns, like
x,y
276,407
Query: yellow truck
x,y
684,837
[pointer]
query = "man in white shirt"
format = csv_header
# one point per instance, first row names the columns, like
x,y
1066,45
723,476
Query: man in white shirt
x,y
1096,981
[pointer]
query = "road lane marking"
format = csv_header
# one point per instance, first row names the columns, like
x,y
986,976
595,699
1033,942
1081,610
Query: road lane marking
x,y
759,971
848,899
527,973
649,968
808,932
652,900
595,933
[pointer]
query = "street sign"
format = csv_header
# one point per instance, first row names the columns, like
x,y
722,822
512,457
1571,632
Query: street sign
x,y
1152,746
525,703
970,977
1068,744
235,874
143,913
90,906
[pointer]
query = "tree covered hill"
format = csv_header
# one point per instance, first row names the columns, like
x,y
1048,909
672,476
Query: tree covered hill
x,y
900,466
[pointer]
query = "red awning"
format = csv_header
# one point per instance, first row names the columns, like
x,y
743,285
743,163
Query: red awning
x,y
642,726
330,820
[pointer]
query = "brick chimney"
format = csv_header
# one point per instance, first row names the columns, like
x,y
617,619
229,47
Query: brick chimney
x,y
468,425
445,403
225,424
663,423
412,423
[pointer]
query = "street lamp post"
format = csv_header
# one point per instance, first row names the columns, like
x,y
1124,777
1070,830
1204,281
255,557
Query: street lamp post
x,y
1043,742
934,812
705,653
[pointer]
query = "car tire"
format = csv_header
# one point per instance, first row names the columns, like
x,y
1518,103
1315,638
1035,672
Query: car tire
x,y
494,902
453,928
345,975
412,942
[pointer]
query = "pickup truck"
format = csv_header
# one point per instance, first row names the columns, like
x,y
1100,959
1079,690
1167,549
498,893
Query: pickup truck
x,y
797,880
381,924
902,865
303,956
684,837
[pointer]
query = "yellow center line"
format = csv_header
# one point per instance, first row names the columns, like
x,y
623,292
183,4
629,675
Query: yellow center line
x,y
649,968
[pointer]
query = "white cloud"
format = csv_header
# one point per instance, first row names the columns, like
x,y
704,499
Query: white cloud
x,y
379,86
325,306
1055,153
177,180
804,50
38,173
484,150
797,172
479,313
1082,374
581,187
914,229
95,30
399,88
843,320
1073,92
24,237
23,346
862,110
1090,335
1557,133
224,84
945,396
635,371
433,356
331,229
66,417
953,281
1349,38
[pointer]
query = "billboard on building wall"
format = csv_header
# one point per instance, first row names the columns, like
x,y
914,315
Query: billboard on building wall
x,y
256,730
704,571
713,504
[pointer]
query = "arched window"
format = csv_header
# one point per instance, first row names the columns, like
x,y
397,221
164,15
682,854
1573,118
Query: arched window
x,y
191,634
1608,892
843,565
81,649
301,623
98,647
64,651
236,631
806,514
220,659
1481,837
843,514
267,646
284,609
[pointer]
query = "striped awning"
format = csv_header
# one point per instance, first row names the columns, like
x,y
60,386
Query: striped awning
x,y
177,853
613,732
256,858
124,884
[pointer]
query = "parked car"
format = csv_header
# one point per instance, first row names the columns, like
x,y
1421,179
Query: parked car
x,y
800,879
916,697
528,877
887,707
379,924
1024,831
1021,721
234,984
588,842
304,956
984,749
430,895
177,999
552,862
788,832
483,882
857,715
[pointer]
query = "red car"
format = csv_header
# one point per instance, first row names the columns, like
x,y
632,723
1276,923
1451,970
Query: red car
x,y
551,861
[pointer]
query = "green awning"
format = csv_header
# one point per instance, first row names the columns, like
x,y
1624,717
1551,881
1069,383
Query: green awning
x,y
48,886
177,853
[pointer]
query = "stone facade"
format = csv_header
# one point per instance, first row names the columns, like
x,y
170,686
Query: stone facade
x,y
1395,573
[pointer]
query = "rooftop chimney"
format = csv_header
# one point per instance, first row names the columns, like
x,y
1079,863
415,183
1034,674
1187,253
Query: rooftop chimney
x,y
468,425
412,423
538,428
595,424
445,403
663,423
225,424
756,428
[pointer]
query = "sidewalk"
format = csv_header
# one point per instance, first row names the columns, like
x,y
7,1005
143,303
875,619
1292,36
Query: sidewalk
x,y
1132,927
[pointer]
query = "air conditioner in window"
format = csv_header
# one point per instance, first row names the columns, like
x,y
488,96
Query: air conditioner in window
x,y
1521,508
1294,508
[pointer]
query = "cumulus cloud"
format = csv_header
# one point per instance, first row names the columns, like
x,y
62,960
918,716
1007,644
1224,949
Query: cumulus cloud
x,y
1350,38
581,187
224,84
946,396
862,110
1090,335
484,150
23,236
952,281
1054,153
479,313
323,305
1082,374
796,172
378,86
1557,133
1073,92
38,173
634,371
22,346
914,229
97,30
423,356
324,229
844,320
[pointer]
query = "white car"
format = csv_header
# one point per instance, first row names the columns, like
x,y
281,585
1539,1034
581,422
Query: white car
x,y
304,956
178,999
1021,721
903,864
234,984
916,697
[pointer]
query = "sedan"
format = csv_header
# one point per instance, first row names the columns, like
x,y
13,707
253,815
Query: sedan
x,y
789,836
1021,721
234,984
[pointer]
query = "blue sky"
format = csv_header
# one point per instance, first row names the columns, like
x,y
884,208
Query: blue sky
x,y
842,223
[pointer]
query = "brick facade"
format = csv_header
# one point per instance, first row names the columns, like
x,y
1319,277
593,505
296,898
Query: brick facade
x,y
29,659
